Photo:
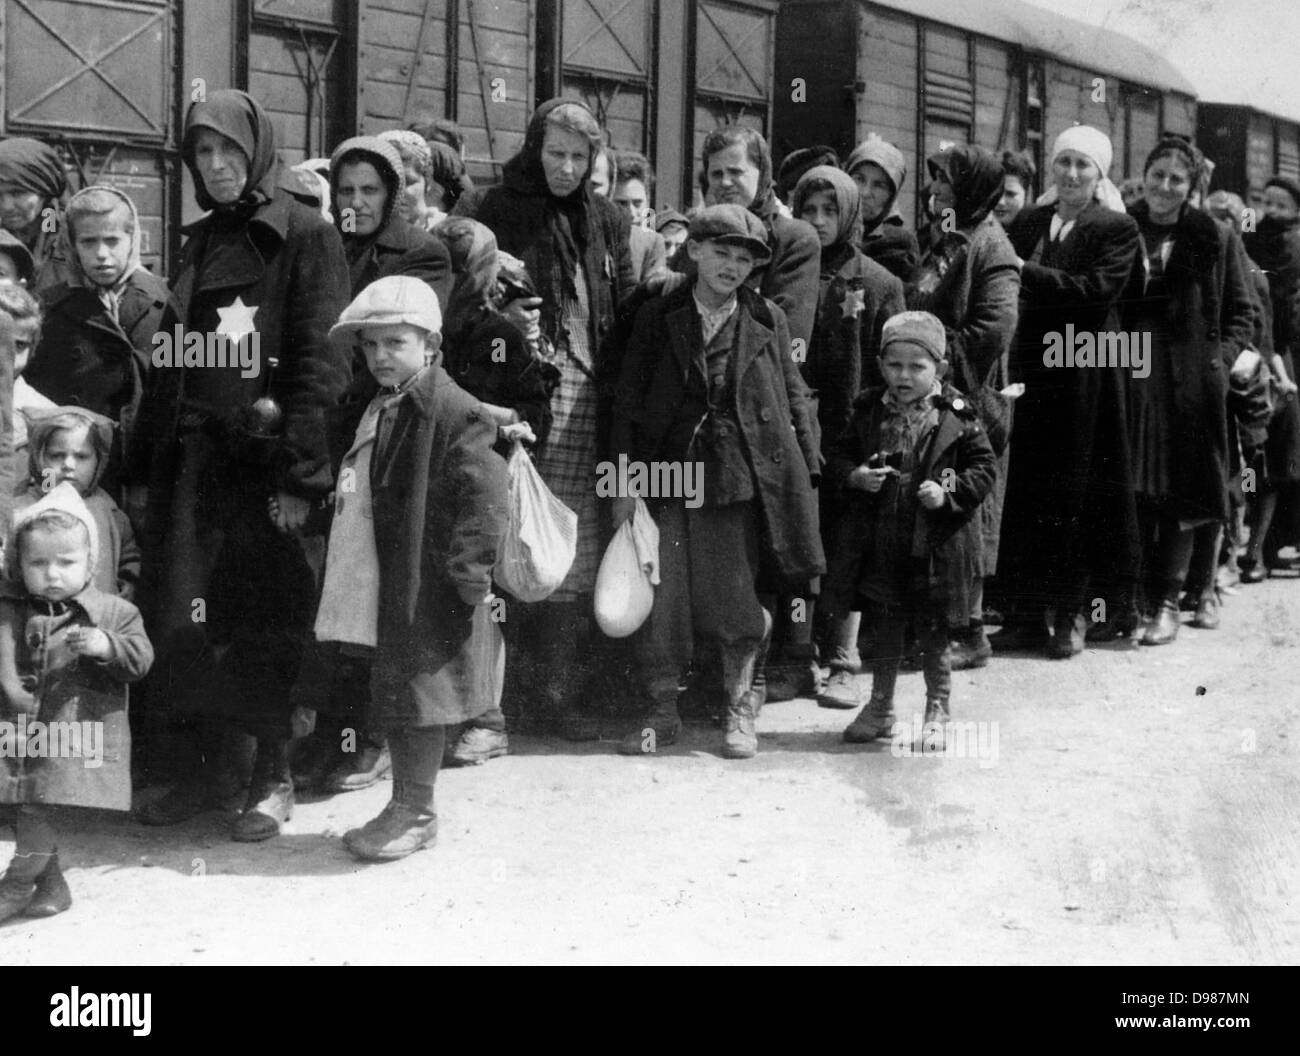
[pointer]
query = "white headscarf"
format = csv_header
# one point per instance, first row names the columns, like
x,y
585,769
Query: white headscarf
x,y
1094,145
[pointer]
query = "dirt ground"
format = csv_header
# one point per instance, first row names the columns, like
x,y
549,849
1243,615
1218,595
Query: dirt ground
x,y
1141,807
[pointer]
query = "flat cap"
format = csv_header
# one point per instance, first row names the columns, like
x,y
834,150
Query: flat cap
x,y
733,225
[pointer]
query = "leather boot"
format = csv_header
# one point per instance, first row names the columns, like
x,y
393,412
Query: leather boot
x,y
52,895
18,886
1163,629
270,797
361,768
1069,631
408,823
877,718
1207,610
934,728
740,740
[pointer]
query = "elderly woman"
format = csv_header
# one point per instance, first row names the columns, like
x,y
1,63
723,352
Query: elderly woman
x,y
236,458
33,189
970,279
1069,523
878,168
367,191
575,245
1196,305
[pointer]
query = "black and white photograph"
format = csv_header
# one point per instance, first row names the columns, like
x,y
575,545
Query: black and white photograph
x,y
651,482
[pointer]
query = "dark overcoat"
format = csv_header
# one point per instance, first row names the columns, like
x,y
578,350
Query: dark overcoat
x,y
400,249
439,499
41,679
1069,518
777,424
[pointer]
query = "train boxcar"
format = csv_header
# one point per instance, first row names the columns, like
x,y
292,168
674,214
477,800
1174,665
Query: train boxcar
x,y
1247,147
999,73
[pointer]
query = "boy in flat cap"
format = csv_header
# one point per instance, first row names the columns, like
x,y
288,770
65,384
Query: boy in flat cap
x,y
913,466
709,380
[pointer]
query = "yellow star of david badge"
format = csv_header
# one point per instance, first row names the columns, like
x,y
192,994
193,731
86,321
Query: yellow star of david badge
x,y
237,320
854,303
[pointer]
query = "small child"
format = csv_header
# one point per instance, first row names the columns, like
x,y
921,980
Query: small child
x,y
914,464
420,509
72,444
67,651
99,324
21,330
709,381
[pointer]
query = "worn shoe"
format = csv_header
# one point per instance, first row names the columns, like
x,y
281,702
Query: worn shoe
x,y
873,721
934,728
15,896
51,896
1163,629
1207,611
790,681
180,803
1255,573
841,691
398,830
970,650
1068,636
360,769
658,729
269,806
740,741
477,745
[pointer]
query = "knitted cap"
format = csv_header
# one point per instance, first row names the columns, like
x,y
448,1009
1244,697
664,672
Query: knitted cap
x,y
917,328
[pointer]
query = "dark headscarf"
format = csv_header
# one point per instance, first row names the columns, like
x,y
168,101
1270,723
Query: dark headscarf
x,y
568,219
33,166
975,175
798,162
240,118
473,250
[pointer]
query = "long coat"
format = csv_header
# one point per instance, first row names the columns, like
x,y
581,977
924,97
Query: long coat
x,y
772,409
42,680
1070,517
89,359
439,499
958,450
1205,319
971,281
207,534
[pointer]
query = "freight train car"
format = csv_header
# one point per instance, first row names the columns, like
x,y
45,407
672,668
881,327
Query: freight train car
x,y
109,80
1247,147
999,73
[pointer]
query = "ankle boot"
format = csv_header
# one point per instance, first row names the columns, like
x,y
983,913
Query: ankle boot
x,y
1207,610
270,797
1163,629
876,719
409,822
18,886
740,739
1069,631
934,728
51,896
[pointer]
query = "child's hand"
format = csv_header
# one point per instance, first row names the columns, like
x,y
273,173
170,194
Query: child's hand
x,y
864,478
288,512
931,494
89,641
517,431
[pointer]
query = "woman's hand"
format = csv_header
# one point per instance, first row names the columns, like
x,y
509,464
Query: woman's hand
x,y
865,478
525,314
931,495
288,512
516,432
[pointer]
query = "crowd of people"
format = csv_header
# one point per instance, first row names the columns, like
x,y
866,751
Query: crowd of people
x,y
1068,419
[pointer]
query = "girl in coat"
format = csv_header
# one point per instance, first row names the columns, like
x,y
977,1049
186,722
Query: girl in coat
x,y
856,296
574,244
1196,306
33,191
878,168
1069,522
51,617
970,279
418,516
220,445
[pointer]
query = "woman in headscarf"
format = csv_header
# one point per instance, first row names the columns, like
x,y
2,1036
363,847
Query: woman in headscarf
x,y
1196,306
236,458
575,245
878,168
970,279
1069,523
367,187
33,190
417,176
856,296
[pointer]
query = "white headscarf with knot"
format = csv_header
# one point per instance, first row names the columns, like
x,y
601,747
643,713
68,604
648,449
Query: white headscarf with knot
x,y
1094,145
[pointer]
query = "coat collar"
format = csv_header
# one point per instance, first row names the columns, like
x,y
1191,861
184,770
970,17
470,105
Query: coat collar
x,y
684,329
273,216
92,601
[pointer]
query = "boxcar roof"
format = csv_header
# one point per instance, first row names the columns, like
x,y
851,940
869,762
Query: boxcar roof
x,y
1033,28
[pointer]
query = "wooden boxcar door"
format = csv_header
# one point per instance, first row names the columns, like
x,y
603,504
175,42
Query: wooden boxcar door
x,y
96,78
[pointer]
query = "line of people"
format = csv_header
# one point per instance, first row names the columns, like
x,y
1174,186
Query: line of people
x,y
892,458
